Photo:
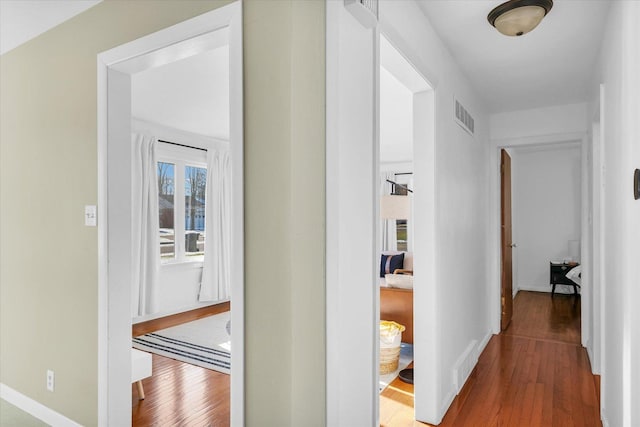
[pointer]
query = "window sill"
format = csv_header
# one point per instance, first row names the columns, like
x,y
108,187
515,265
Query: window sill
x,y
182,264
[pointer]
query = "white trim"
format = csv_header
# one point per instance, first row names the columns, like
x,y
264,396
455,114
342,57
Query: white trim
x,y
182,40
112,409
103,249
352,64
34,408
547,288
601,251
427,333
351,392
555,138
236,137
483,344
446,403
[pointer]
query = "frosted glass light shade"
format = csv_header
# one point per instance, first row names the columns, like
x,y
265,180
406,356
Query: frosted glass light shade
x,y
519,21
395,207
518,17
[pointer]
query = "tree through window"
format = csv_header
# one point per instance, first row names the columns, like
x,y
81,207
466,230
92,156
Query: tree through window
x,y
182,183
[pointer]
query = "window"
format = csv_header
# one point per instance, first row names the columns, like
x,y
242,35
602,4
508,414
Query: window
x,y
195,183
403,230
182,181
402,237
166,203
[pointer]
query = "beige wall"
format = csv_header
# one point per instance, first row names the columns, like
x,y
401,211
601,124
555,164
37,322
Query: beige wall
x,y
284,220
48,172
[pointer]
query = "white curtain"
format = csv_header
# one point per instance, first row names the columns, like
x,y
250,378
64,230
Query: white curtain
x,y
216,273
144,224
388,232
410,219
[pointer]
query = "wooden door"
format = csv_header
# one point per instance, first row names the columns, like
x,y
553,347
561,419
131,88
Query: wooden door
x,y
506,243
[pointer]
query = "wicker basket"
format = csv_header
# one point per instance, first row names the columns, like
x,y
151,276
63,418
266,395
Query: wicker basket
x,y
390,338
389,358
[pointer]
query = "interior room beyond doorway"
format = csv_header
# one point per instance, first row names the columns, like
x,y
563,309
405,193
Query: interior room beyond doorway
x,y
546,212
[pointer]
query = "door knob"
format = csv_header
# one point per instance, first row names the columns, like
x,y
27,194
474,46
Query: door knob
x,y
513,245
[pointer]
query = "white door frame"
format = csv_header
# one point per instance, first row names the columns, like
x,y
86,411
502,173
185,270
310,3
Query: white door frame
x,y
597,235
497,145
351,212
352,220
114,186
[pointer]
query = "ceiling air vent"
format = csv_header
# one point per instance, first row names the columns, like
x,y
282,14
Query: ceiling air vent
x,y
463,118
365,11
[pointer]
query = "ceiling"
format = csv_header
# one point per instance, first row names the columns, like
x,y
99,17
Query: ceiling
x,y
552,65
190,94
22,20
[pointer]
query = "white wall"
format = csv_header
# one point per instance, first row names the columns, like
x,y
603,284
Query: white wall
x,y
447,318
396,119
190,94
546,210
561,119
619,68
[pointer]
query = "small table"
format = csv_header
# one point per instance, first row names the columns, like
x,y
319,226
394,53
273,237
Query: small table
x,y
558,276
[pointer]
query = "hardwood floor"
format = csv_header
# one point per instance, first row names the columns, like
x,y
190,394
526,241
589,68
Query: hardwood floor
x,y
534,374
180,394
540,316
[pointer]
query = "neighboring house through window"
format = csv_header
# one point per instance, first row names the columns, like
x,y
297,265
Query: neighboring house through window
x,y
182,179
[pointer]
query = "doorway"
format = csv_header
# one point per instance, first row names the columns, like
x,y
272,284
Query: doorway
x,y
542,218
115,70
405,125
506,241
353,221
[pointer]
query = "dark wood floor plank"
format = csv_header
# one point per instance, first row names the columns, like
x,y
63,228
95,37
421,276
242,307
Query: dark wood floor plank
x,y
534,374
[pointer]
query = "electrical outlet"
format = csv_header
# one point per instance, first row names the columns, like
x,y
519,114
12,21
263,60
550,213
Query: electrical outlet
x,y
50,380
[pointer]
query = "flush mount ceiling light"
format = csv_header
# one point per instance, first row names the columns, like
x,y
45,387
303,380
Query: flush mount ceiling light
x,y
518,17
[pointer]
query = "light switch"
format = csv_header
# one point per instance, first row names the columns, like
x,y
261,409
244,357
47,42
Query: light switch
x,y
90,216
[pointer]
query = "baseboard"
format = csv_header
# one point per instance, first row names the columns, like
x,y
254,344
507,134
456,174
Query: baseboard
x,y
595,370
462,369
560,289
34,408
483,344
446,404
605,423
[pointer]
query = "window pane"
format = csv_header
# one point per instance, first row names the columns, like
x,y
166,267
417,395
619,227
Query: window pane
x,y
166,195
195,182
401,234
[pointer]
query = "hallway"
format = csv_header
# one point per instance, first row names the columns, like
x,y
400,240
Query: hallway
x,y
534,374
